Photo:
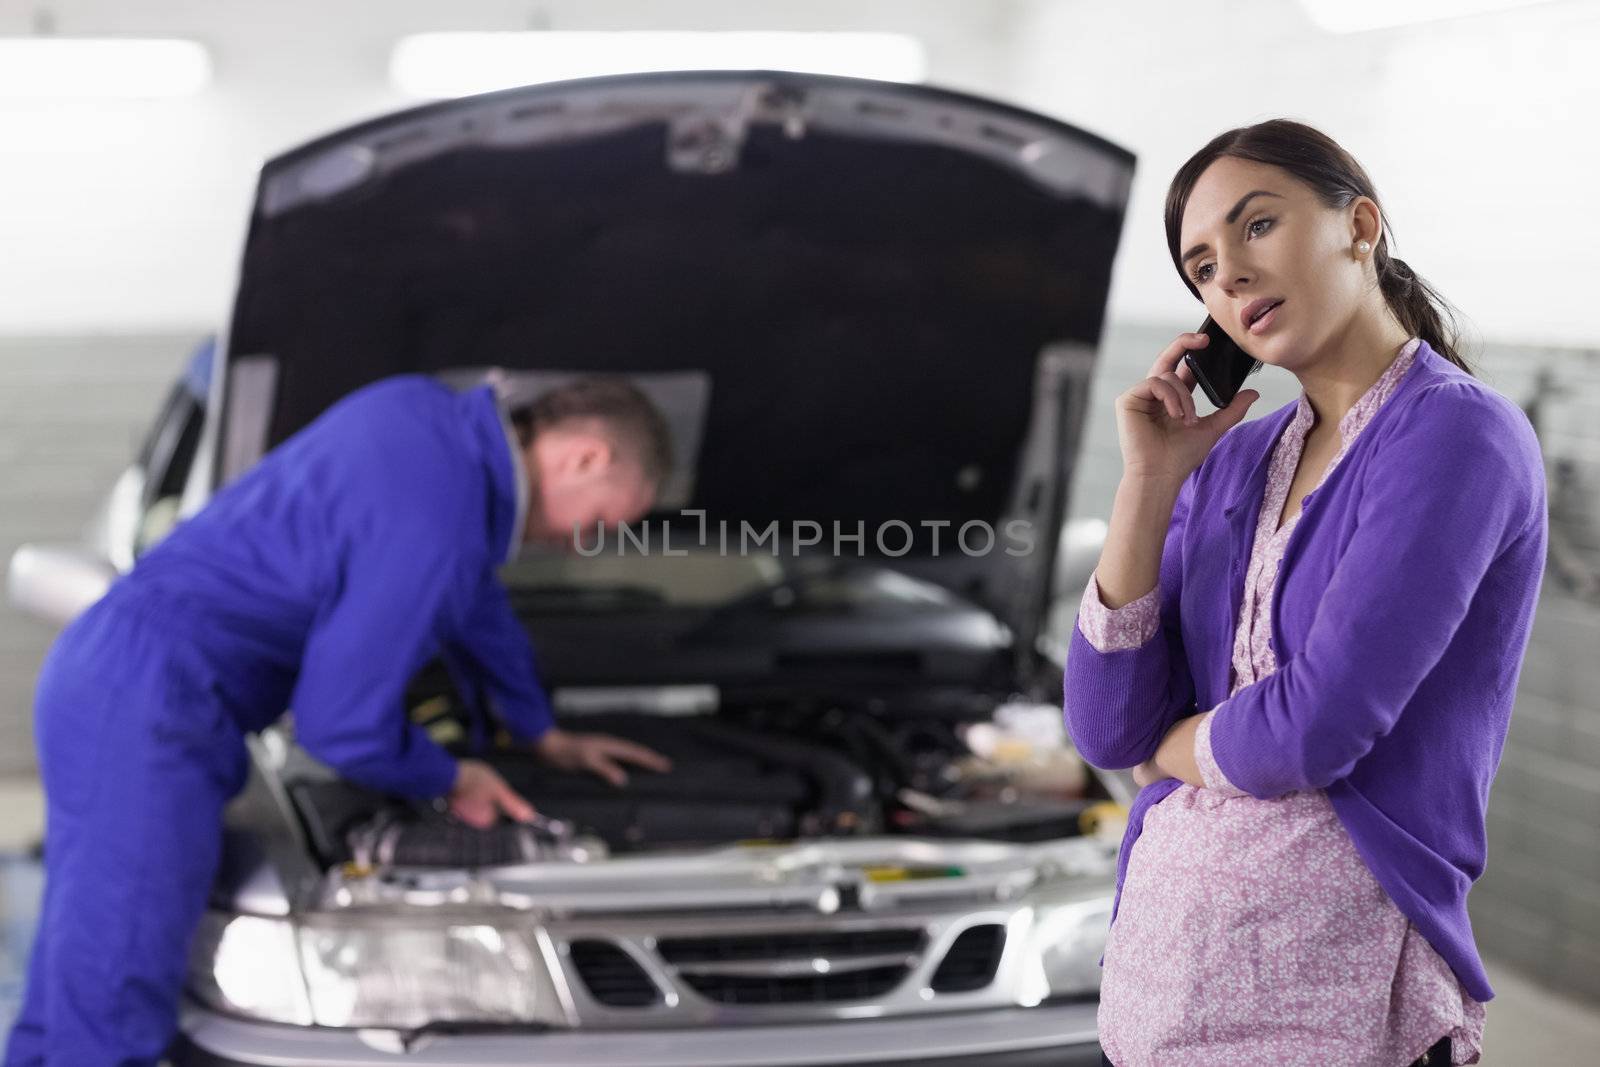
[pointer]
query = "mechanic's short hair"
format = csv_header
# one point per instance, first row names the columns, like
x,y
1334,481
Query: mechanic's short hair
x,y
635,426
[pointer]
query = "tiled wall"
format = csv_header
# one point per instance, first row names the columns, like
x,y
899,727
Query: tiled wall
x,y
72,412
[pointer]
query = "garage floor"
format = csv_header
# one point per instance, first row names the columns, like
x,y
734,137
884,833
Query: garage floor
x,y
1526,1024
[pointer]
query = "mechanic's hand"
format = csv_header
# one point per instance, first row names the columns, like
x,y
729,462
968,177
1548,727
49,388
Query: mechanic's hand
x,y
480,795
1148,773
597,753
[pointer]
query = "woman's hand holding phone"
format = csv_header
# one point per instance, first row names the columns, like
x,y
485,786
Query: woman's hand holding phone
x,y
1163,437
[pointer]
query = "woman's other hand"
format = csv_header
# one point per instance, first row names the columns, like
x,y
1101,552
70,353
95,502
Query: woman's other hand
x,y
1174,757
1148,773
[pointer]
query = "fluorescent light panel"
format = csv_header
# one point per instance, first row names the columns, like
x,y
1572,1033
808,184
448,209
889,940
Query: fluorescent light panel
x,y
1356,16
460,64
55,67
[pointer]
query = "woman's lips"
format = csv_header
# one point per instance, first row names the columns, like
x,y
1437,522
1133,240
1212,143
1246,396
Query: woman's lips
x,y
1264,323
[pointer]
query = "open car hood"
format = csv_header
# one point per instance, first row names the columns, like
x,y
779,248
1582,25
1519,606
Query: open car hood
x,y
891,295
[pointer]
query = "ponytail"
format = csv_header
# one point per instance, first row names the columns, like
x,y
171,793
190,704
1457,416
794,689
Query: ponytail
x,y
1418,306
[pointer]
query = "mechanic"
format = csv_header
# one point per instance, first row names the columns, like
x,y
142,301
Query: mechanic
x,y
319,581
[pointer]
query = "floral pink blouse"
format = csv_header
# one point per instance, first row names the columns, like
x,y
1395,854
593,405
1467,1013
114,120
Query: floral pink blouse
x,y
1250,931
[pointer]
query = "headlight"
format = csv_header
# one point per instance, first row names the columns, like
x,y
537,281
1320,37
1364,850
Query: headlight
x,y
1065,942
249,966
383,974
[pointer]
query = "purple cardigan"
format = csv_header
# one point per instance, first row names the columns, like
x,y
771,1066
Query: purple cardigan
x,y
1400,618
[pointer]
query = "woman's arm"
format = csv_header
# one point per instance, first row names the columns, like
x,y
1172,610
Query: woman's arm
x,y
1127,677
1176,756
1141,516
1459,481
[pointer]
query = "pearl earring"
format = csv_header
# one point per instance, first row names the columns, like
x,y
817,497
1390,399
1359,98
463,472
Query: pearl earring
x,y
1363,247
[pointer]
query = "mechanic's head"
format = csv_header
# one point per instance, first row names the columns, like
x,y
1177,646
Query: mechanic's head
x,y
597,451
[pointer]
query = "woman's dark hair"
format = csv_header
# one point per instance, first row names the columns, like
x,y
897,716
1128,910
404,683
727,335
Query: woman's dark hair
x,y
634,424
1317,160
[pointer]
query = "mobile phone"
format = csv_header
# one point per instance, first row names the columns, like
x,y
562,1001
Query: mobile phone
x,y
1221,367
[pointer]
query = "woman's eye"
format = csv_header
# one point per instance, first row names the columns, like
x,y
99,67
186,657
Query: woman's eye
x,y
1203,272
1200,274
1267,222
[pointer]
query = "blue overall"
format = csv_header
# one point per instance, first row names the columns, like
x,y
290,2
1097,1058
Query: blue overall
x,y
318,582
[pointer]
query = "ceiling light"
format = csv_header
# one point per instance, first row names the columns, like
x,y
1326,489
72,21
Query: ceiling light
x,y
1355,16
51,67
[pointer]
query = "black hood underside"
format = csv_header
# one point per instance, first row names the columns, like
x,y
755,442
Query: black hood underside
x,y
870,311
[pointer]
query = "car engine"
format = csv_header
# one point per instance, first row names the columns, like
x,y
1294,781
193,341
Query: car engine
x,y
762,773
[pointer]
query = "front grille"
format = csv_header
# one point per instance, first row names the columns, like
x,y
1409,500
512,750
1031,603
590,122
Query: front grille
x,y
811,989
972,960
825,944
794,968
613,977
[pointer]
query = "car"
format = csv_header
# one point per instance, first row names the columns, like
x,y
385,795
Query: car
x,y
868,310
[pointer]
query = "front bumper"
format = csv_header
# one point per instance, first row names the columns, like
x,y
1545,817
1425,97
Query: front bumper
x,y
1060,1035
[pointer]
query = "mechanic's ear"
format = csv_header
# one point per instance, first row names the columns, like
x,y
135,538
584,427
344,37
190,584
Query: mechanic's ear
x,y
594,456
578,454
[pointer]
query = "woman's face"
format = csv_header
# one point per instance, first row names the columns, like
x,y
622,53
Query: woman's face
x,y
1251,232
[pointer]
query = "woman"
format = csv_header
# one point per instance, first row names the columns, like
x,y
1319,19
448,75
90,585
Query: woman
x,y
1305,633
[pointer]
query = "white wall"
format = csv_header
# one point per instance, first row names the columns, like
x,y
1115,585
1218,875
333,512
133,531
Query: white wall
x,y
1481,133
128,216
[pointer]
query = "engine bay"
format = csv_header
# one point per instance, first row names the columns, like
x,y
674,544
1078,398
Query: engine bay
x,y
763,773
